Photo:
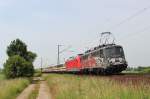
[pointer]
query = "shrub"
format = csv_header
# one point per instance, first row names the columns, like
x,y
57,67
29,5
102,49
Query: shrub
x,y
17,66
20,61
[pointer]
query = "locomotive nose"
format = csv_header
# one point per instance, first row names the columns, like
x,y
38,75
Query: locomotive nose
x,y
115,61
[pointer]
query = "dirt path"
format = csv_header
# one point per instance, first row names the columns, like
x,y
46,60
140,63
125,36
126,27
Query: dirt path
x,y
25,94
44,92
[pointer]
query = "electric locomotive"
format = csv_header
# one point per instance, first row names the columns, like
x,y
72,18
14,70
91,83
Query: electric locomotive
x,y
103,59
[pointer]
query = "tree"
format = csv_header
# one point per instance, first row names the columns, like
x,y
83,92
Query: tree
x,y
17,47
17,66
20,61
30,56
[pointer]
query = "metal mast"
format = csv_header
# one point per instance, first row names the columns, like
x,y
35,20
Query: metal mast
x,y
58,61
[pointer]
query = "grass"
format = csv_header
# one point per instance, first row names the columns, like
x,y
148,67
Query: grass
x,y
67,86
9,89
37,73
2,77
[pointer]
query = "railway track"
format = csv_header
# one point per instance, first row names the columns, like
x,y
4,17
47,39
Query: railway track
x,y
118,74
134,78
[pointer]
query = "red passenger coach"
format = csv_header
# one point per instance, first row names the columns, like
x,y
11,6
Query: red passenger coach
x,y
73,64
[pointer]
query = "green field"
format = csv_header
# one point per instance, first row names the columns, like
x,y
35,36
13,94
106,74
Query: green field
x,y
65,86
9,89
2,77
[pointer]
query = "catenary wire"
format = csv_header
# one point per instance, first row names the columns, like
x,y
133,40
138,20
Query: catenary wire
x,y
129,18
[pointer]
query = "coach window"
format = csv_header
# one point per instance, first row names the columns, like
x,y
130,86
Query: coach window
x,y
98,53
93,53
101,53
84,57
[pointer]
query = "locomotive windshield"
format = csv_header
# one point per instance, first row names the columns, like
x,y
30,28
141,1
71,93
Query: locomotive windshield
x,y
114,52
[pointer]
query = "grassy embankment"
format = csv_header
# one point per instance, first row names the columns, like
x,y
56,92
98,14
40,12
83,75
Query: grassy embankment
x,y
87,87
9,89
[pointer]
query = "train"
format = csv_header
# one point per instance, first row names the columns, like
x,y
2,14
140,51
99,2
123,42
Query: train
x,y
103,59
106,58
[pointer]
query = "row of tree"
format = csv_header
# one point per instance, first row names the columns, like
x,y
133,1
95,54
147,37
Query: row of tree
x,y
20,60
139,69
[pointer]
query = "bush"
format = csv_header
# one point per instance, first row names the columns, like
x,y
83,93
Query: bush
x,y
20,61
17,66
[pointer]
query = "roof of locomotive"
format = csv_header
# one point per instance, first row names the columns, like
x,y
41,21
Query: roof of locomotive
x,y
98,48
94,49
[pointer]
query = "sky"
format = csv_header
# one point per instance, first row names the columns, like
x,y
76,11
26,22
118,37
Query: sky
x,y
43,24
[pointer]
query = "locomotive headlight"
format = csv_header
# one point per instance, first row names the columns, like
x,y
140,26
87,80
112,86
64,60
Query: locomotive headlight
x,y
117,60
112,60
120,59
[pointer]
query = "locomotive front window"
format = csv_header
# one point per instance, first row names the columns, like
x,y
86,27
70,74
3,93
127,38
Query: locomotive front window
x,y
119,52
114,52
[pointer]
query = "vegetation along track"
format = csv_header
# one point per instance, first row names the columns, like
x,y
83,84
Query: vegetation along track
x,y
121,77
65,86
124,77
124,86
